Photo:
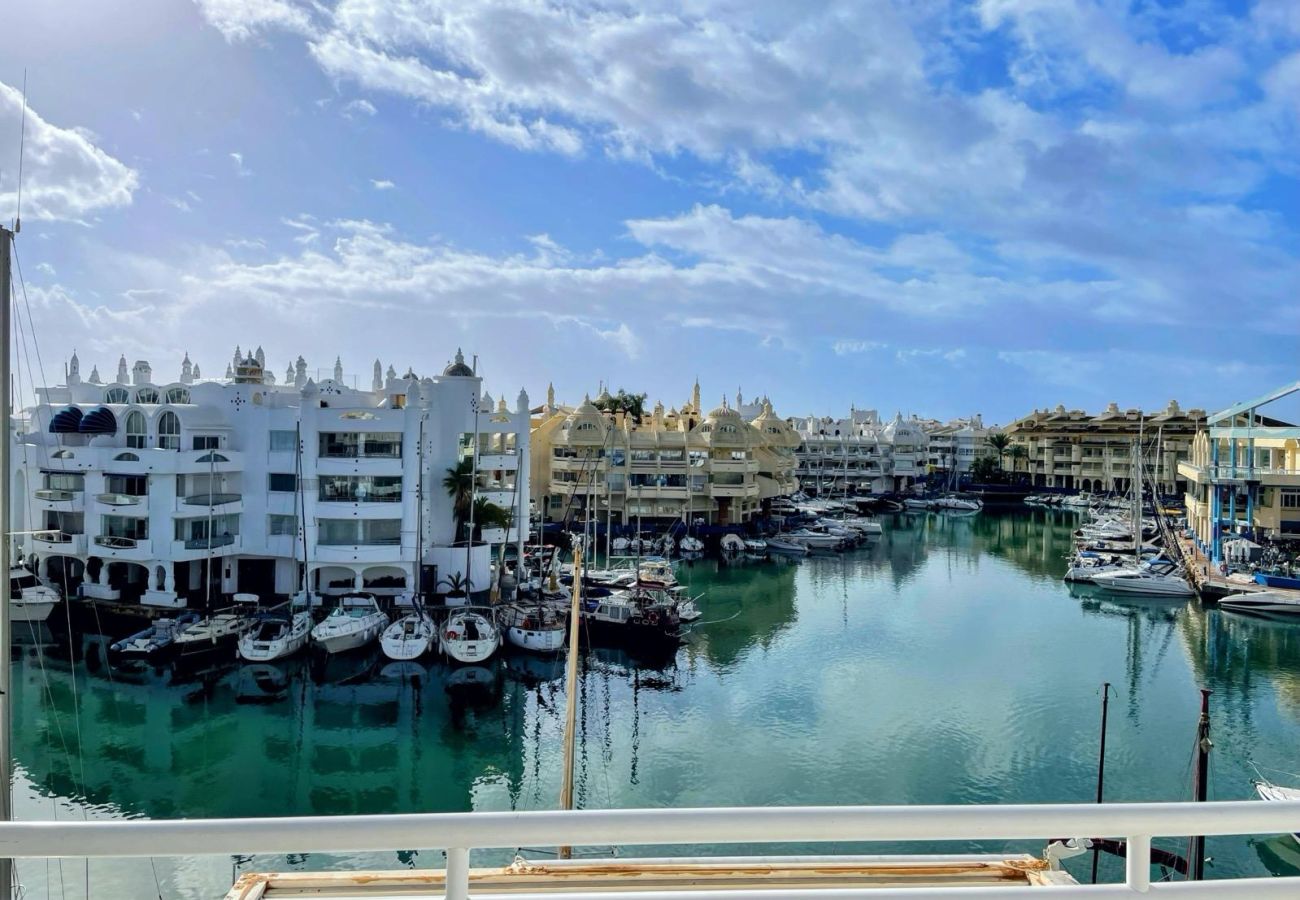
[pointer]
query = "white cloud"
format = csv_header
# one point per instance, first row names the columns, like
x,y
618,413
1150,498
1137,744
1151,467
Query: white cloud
x,y
65,175
240,169
382,184
354,108
849,347
240,20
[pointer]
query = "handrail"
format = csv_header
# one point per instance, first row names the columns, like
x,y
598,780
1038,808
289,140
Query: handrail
x,y
115,542
211,499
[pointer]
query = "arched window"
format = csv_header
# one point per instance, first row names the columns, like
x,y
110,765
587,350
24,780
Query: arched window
x,y
62,454
146,395
126,457
212,458
116,395
169,431
136,430
178,395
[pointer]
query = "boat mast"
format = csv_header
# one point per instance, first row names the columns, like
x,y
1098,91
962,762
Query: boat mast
x,y
302,518
6,766
417,597
571,690
1203,746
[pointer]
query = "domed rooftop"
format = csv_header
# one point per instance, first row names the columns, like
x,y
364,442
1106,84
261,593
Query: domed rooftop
x,y
458,368
723,412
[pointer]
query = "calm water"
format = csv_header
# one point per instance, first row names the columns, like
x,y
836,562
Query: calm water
x,y
945,664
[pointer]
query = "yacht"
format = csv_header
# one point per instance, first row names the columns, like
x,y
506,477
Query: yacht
x,y
29,600
786,545
470,635
1159,579
410,637
691,544
275,635
1270,603
756,546
538,628
355,622
214,635
958,504
638,616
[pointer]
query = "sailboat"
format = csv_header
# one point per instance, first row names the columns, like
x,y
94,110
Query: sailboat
x,y
411,635
29,599
470,635
538,628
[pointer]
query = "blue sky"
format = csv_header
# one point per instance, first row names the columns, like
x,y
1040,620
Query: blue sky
x,y
934,207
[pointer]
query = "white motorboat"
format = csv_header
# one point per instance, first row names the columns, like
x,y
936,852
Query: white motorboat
x,y
355,622
917,503
410,637
690,544
815,540
958,504
29,600
657,572
214,634
538,628
1159,579
732,543
755,545
785,545
470,635
1271,603
152,643
620,545
275,635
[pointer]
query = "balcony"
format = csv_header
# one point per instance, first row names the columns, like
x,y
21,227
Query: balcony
x,y
114,542
212,499
51,495
210,543
111,499
502,461
55,541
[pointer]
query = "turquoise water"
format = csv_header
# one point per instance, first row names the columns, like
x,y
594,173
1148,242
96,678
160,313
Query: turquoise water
x,y
947,663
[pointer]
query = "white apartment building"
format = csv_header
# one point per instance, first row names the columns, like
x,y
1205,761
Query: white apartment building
x,y
859,453
955,445
168,493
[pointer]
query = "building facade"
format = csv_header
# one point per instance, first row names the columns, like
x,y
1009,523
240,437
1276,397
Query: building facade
x,y
1243,477
954,446
859,453
670,464
1076,450
173,493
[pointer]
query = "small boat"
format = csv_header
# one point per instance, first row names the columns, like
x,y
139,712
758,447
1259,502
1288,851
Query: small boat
x,y
816,540
688,610
690,544
29,600
275,635
216,634
732,543
152,643
1268,791
755,545
783,545
657,572
1270,603
410,637
639,616
539,628
620,545
916,503
469,635
355,622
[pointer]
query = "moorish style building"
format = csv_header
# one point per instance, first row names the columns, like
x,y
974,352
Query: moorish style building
x,y
668,464
860,453
1076,450
167,493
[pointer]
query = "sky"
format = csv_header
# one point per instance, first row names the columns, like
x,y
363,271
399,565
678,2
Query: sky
x,y
931,207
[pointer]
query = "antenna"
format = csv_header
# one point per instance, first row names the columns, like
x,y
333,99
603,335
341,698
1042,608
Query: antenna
x,y
22,144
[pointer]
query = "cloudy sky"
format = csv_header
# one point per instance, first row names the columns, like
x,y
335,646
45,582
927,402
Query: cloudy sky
x,y
928,206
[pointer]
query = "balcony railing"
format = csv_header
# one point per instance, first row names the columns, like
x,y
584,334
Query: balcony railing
x,y
54,495
53,537
209,543
211,499
114,542
460,833
111,499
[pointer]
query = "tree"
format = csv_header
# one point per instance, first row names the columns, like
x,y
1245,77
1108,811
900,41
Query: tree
x,y
985,469
631,404
1017,452
488,515
459,484
999,443
456,584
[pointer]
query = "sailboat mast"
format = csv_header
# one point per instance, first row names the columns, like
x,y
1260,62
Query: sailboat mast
x,y
301,512
6,765
571,690
417,596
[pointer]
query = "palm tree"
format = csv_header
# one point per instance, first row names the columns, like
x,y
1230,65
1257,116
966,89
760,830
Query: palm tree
x,y
999,443
1017,452
459,484
456,584
488,515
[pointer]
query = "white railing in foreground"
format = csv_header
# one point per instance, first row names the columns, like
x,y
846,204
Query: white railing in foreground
x,y
461,832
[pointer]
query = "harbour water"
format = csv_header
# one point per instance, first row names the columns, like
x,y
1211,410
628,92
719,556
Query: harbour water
x,y
944,663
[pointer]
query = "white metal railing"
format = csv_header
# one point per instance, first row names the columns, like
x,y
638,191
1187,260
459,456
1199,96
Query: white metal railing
x,y
459,833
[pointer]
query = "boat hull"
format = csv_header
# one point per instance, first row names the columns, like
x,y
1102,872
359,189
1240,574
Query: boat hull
x,y
30,610
1272,603
534,640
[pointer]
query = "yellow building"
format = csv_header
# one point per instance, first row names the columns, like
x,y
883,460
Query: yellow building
x,y
717,466
1077,450
1243,476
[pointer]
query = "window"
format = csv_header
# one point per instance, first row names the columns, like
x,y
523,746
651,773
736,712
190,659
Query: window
x,y
617,481
117,395
126,457
146,395
281,525
350,444
136,430
282,482
195,532
1290,499
728,479
65,522
206,442
586,426
672,455
643,456
358,532
740,455
360,488
284,442
129,527
64,481
177,395
131,485
169,431
212,457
